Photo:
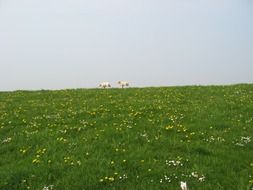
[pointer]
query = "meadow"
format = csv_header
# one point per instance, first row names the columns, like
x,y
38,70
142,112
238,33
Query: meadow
x,y
127,139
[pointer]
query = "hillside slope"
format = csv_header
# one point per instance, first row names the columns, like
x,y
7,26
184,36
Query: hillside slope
x,y
136,138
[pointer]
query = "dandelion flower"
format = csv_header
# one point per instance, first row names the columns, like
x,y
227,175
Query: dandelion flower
x,y
101,180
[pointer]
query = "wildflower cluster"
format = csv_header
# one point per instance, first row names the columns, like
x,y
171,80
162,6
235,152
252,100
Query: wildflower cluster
x,y
175,163
201,178
50,187
6,140
38,156
113,178
71,162
214,139
24,150
242,141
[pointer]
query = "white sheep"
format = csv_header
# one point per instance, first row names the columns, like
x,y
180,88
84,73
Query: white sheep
x,y
105,85
123,83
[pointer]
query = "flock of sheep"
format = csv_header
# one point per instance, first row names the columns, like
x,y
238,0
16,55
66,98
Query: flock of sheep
x,y
108,85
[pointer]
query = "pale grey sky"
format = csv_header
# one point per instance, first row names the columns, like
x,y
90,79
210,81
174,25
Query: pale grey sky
x,y
54,44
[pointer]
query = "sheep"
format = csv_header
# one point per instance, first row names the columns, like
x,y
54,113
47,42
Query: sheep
x,y
123,83
105,85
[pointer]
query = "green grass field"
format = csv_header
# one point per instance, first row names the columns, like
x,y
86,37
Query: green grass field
x,y
127,139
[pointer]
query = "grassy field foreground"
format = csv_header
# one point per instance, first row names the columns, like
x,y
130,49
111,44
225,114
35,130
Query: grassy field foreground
x,y
127,139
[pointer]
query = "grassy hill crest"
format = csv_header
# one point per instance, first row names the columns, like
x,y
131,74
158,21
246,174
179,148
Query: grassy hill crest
x,y
136,138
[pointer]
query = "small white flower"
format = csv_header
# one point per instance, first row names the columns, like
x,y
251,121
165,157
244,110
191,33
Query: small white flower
x,y
201,179
50,187
45,188
183,186
7,140
194,174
